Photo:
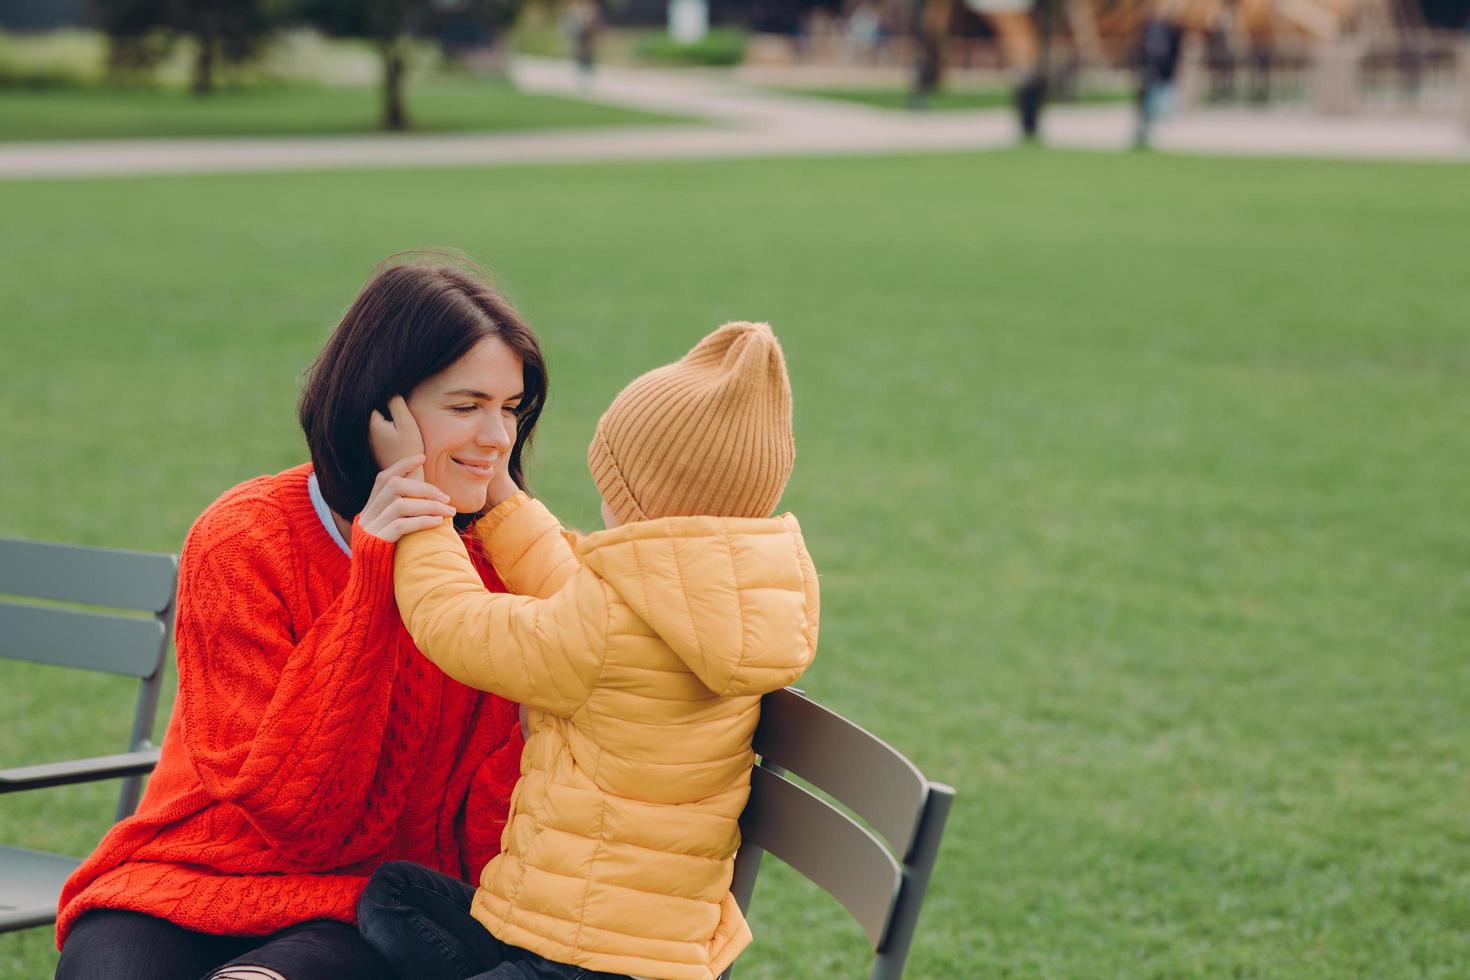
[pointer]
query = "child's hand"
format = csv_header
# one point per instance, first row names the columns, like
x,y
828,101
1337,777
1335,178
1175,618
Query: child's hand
x,y
502,487
396,438
400,504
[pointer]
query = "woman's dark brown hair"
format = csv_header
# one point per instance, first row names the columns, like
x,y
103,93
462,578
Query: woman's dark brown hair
x,y
410,322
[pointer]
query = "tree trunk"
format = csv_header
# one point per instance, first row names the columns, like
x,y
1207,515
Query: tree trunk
x,y
204,57
395,115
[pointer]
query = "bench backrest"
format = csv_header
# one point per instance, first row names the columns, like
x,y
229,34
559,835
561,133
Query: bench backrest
x,y
119,582
880,878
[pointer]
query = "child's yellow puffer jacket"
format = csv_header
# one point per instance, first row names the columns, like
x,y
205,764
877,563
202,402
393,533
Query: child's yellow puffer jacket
x,y
643,673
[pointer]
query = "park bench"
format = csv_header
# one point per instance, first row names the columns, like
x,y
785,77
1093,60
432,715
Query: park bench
x,y
43,589
881,884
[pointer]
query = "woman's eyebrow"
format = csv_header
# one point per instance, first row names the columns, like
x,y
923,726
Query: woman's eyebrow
x,y
480,395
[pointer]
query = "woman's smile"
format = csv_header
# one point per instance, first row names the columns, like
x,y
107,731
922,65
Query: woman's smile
x,y
482,468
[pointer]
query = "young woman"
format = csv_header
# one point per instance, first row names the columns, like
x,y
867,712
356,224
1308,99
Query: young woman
x,y
310,741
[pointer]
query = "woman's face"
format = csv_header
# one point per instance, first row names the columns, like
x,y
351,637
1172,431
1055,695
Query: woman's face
x,y
467,417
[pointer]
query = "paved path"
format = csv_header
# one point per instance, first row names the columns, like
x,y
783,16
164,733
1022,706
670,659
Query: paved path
x,y
739,122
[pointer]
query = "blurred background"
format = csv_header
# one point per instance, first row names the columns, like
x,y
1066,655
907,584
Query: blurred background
x,y
98,68
1129,343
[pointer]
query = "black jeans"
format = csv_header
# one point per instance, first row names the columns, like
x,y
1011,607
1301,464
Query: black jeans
x,y
420,921
122,945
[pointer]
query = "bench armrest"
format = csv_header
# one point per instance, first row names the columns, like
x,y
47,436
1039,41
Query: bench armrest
x,y
78,770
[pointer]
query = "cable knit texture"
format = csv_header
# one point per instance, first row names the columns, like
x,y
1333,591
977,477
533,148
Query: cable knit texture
x,y
310,742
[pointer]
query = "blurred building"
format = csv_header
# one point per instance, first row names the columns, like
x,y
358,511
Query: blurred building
x,y
42,15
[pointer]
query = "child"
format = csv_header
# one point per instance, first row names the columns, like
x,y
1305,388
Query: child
x,y
642,672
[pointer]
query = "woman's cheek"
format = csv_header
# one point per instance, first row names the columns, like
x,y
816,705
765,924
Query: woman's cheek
x,y
438,466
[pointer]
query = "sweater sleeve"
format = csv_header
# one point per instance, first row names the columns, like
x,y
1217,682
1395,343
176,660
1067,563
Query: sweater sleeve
x,y
544,653
288,728
481,819
528,547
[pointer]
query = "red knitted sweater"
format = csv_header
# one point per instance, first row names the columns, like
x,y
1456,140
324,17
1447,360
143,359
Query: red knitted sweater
x,y
310,741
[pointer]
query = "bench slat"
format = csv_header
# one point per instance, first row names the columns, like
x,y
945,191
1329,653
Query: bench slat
x,y
868,775
91,576
826,845
71,638
30,883
78,770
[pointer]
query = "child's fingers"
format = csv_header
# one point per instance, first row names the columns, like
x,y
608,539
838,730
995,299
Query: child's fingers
x,y
411,486
416,506
407,525
399,470
406,464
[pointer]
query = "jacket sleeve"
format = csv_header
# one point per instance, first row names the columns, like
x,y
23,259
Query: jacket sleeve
x,y
527,546
286,727
544,653
495,740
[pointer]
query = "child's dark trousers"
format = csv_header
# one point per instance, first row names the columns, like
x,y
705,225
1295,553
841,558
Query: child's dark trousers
x,y
420,921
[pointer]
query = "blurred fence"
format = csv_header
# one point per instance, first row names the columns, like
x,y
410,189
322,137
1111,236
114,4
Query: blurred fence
x,y
1418,72
1410,71
1275,75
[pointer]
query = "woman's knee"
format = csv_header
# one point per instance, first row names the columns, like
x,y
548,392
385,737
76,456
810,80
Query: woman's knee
x,y
124,945
320,949
385,892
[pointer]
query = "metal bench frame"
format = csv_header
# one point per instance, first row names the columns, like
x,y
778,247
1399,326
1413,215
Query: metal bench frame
x,y
65,636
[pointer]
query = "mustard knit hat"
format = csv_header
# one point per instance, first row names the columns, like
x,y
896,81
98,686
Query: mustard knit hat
x,y
707,435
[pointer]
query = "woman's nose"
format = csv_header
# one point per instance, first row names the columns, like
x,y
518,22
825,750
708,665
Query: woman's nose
x,y
498,433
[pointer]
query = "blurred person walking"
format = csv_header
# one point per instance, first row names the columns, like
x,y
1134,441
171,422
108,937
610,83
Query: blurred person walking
x,y
1160,40
581,24
865,31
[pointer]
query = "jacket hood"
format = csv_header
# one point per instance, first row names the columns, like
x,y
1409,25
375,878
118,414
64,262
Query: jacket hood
x,y
735,598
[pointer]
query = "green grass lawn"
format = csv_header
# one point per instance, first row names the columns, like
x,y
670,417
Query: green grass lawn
x,y
946,99
444,104
1137,483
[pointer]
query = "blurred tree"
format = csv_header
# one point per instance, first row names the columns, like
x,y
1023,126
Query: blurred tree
x,y
224,30
137,35
391,20
140,33
388,24
391,24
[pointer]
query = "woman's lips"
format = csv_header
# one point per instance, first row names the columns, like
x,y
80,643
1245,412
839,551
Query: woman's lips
x,y
479,468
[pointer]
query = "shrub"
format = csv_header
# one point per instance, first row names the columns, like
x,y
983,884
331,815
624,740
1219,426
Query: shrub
x,y
721,46
59,59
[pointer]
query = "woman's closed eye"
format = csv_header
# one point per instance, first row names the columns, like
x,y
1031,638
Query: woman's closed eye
x,y
513,410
